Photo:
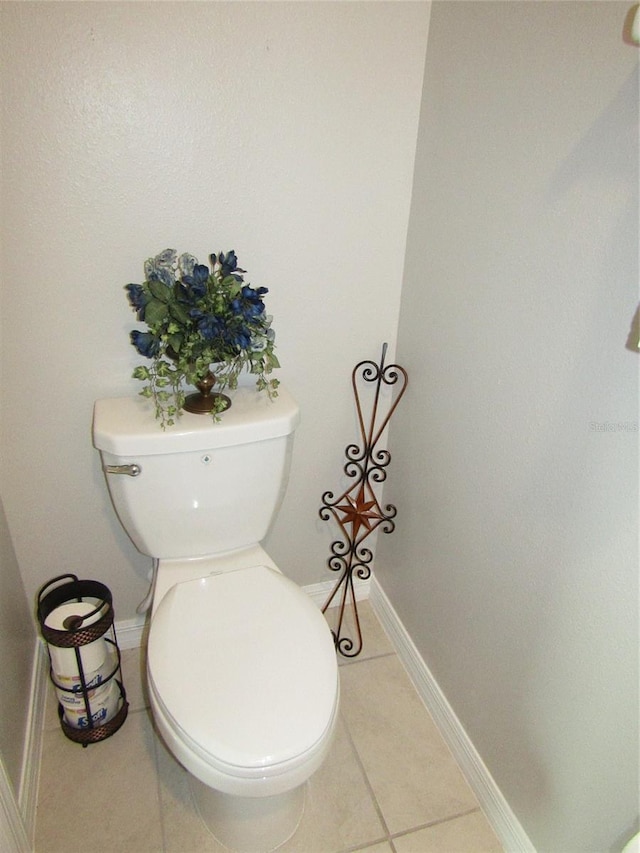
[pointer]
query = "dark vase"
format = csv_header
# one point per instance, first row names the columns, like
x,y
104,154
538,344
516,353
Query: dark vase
x,y
206,400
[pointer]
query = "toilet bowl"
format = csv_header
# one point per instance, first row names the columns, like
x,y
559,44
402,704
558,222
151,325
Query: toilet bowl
x,y
244,688
243,680
241,667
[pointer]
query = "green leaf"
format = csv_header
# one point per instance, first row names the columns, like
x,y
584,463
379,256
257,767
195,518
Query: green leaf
x,y
175,342
159,291
155,312
231,283
179,313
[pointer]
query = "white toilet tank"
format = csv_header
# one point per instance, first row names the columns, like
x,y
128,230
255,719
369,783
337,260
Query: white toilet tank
x,y
198,488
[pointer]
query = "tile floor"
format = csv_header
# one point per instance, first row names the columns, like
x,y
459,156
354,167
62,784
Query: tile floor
x,y
389,784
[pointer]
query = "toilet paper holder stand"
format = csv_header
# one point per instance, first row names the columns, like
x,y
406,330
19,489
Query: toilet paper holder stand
x,y
93,722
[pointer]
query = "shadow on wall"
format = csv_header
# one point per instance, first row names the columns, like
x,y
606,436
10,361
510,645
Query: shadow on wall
x,y
620,171
621,114
633,339
631,27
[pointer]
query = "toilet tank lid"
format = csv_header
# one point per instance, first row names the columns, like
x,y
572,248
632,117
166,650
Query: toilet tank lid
x,y
126,426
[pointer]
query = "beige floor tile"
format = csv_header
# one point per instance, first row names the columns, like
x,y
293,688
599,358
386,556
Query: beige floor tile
x,y
339,812
374,639
470,833
102,798
412,773
382,847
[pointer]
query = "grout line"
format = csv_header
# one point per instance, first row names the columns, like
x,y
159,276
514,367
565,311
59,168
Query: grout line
x,y
369,786
431,823
342,661
358,847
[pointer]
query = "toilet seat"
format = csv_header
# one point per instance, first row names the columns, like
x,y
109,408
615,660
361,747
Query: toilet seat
x,y
243,675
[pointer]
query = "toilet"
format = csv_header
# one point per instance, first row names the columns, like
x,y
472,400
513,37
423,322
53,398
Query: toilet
x,y
241,667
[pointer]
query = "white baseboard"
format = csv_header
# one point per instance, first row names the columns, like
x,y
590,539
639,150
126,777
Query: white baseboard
x,y
320,592
13,833
496,809
129,632
28,794
20,811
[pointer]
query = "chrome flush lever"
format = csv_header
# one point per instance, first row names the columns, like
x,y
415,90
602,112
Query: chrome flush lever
x,y
130,470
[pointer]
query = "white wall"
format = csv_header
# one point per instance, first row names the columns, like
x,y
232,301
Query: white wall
x,y
285,131
514,564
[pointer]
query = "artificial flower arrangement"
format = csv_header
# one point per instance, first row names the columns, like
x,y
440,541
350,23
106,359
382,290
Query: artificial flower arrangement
x,y
197,317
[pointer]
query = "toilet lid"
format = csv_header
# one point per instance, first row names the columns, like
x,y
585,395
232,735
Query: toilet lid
x,y
244,664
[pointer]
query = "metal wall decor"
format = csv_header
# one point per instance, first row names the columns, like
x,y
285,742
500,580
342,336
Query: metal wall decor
x,y
357,510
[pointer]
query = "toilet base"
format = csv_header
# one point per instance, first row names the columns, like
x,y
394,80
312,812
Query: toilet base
x,y
249,824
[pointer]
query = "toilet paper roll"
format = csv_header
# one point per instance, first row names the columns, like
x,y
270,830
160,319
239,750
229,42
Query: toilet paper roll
x,y
93,655
104,703
74,701
69,687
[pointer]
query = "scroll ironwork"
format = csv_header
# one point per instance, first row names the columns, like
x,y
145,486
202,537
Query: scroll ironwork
x,y
357,510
